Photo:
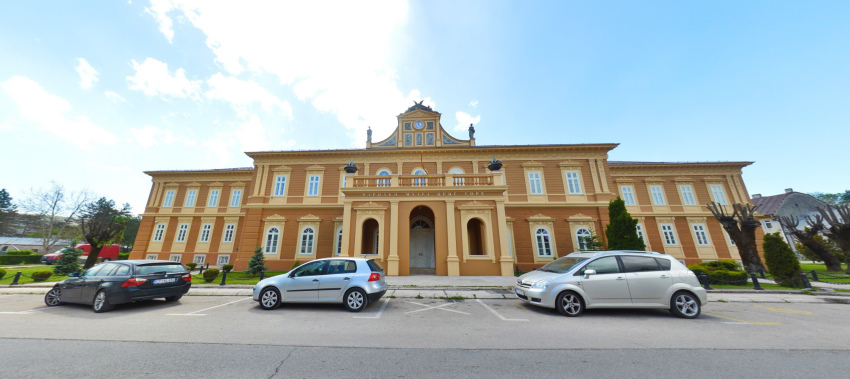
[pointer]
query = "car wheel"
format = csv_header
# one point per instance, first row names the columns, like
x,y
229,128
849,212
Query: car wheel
x,y
101,303
685,305
270,298
355,300
570,304
173,298
52,298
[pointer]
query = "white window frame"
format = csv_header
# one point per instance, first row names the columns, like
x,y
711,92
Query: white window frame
x,y
628,195
279,186
229,231
313,185
640,233
206,232
223,259
168,202
668,234
687,192
159,232
190,198
213,200
338,242
543,241
579,234
535,183
700,235
272,240
768,224
235,197
200,259
718,194
182,232
657,194
573,182
175,257
384,182
151,257
419,182
308,240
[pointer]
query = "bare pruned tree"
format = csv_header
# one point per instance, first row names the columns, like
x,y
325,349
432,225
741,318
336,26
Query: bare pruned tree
x,y
56,212
838,218
741,226
807,238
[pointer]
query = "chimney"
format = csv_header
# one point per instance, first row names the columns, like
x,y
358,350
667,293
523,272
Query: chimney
x,y
789,190
756,196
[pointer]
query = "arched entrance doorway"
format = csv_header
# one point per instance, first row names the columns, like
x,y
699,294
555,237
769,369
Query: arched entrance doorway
x,y
422,260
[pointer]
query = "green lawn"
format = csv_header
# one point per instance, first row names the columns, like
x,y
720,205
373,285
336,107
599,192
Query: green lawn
x,y
232,278
826,276
27,271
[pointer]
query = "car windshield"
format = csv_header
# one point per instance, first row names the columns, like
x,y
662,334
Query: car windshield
x,y
563,264
159,269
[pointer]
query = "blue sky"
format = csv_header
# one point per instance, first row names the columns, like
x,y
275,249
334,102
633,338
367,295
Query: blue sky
x,y
93,93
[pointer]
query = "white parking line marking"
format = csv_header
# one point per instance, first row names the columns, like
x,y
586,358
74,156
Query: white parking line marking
x,y
439,307
378,315
497,313
26,312
206,309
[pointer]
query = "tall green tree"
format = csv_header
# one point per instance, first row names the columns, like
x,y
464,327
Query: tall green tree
x,y
103,224
257,262
8,210
130,231
781,261
621,231
68,263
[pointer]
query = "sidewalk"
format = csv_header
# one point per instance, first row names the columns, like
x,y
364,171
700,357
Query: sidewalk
x,y
499,287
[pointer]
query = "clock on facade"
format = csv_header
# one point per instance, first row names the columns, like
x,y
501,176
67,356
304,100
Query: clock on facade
x,y
418,124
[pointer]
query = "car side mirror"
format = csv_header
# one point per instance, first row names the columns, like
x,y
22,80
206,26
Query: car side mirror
x,y
588,273
74,274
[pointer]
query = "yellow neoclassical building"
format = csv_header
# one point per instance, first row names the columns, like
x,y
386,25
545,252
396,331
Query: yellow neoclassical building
x,y
422,201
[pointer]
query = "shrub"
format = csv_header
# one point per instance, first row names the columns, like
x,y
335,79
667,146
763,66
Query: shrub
x,y
68,262
19,252
210,274
2,273
123,256
781,261
227,268
40,276
719,273
257,263
19,259
191,266
296,264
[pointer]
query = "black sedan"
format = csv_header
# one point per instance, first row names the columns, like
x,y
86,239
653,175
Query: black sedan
x,y
118,282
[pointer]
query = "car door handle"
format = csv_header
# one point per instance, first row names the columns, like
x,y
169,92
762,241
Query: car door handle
x,y
663,276
346,278
621,278
315,280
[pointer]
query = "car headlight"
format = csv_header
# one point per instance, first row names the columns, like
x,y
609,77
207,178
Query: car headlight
x,y
541,285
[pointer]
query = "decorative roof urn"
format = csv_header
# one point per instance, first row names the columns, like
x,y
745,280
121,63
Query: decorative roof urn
x,y
494,165
350,168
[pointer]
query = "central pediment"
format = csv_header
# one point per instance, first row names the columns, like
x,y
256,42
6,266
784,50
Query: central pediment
x,y
419,127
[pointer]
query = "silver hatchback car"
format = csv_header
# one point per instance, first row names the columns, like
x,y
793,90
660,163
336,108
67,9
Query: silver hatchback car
x,y
613,279
355,282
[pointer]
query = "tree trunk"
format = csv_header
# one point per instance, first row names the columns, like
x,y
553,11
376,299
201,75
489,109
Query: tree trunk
x,y
741,227
832,263
93,253
748,250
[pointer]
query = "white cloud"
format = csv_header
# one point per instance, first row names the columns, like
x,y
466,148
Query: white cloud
x,y
346,73
49,113
463,121
240,93
115,97
88,75
473,103
149,136
152,78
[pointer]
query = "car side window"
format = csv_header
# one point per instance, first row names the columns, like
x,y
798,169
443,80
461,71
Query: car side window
x,y
639,264
664,263
107,269
122,270
310,269
341,267
92,271
606,265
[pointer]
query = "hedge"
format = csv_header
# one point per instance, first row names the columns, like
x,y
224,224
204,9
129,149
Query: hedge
x,y
210,274
2,273
721,272
19,252
40,276
19,259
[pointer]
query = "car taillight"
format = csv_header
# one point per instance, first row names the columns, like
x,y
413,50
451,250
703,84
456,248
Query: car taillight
x,y
376,276
187,278
133,282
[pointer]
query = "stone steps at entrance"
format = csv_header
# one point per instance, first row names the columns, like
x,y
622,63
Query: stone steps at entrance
x,y
423,271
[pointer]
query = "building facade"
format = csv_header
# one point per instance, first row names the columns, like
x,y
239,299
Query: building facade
x,y
422,201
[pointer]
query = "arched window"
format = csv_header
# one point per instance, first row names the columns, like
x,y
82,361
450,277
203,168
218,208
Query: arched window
x,y
369,237
475,236
272,237
583,239
419,182
338,242
544,247
384,182
307,236
457,171
420,224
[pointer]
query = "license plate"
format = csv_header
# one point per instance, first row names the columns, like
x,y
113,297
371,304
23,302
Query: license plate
x,y
520,292
164,281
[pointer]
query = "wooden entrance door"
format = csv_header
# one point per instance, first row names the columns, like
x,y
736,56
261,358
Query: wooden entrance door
x,y
422,248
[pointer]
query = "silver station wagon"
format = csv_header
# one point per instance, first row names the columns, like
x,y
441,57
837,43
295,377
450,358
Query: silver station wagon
x,y
355,282
613,279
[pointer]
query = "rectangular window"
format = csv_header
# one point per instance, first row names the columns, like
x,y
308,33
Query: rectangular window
x,y
573,184
279,185
205,233
669,236
628,195
236,198
200,259
687,195
151,257
313,188
190,198
228,232
160,230
223,259
213,199
182,230
535,185
718,195
768,224
338,242
657,195
169,199
701,236
639,228
174,258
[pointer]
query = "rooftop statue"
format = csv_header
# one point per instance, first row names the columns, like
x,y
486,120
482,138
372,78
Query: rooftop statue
x,y
419,105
